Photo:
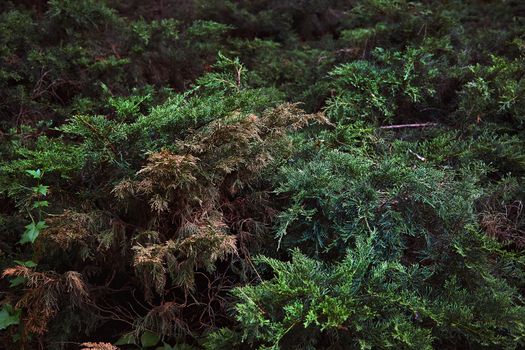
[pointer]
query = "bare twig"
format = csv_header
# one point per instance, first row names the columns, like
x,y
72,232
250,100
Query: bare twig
x,y
238,77
404,126
421,158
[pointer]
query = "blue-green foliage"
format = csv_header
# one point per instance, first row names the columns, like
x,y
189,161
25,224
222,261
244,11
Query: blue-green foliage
x,y
495,91
364,302
378,91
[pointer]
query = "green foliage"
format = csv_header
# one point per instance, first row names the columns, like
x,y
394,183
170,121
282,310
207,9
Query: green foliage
x,y
84,14
365,301
9,316
35,202
377,93
495,91
148,339
229,77
370,153
357,302
32,231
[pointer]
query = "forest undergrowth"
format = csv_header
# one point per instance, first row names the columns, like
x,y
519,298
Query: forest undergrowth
x,y
313,174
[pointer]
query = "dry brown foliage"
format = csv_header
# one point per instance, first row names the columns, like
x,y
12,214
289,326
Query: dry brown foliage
x,y
180,259
185,210
88,233
44,292
506,224
190,190
98,346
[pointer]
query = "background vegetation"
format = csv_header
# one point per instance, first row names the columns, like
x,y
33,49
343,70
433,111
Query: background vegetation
x,y
187,174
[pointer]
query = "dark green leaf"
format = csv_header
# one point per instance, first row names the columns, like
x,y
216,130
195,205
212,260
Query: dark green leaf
x,y
9,316
36,174
149,339
32,231
28,263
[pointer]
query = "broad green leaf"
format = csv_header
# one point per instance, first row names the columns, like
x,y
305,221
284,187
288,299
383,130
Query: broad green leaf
x,y
32,231
28,263
149,339
17,281
126,339
40,204
36,174
40,189
9,316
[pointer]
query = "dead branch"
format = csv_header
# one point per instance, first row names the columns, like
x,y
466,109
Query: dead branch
x,y
404,126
